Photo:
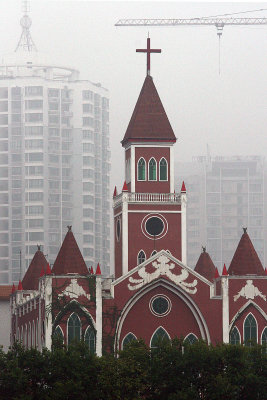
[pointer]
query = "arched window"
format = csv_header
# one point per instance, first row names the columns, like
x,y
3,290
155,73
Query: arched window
x,y
153,253
59,334
152,170
160,335
141,169
128,339
190,339
250,330
141,257
163,172
89,339
264,337
74,328
234,336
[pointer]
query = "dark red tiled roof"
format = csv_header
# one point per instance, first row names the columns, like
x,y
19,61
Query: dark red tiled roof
x,y
149,121
5,292
205,266
69,258
31,277
245,260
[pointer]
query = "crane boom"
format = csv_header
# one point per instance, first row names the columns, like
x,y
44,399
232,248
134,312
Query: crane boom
x,y
221,22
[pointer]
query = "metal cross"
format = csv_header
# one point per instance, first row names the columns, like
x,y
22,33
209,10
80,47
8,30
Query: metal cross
x,y
148,51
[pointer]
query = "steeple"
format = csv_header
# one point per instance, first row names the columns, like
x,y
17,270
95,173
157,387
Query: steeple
x,y
245,260
25,42
37,265
205,266
149,122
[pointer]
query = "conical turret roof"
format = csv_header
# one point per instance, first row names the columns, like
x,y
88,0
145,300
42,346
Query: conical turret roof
x,y
245,260
205,266
69,259
31,277
149,121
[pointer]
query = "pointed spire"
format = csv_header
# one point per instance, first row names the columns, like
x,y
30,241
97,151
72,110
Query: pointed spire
x,y
42,272
20,285
115,192
224,272
205,266
13,289
36,269
48,270
125,187
98,270
183,188
265,271
91,271
216,275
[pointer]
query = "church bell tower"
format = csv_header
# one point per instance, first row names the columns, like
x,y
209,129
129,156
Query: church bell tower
x,y
148,215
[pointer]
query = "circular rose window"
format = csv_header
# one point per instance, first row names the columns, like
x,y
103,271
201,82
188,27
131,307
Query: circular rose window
x,y
154,226
160,305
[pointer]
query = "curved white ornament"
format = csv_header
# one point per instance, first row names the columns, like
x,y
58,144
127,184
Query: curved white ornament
x,y
74,290
249,291
162,267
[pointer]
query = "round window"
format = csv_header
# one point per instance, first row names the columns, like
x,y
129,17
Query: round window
x,y
154,226
118,229
160,305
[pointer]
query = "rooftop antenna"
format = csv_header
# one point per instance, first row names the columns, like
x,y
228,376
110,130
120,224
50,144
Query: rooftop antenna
x,y
25,42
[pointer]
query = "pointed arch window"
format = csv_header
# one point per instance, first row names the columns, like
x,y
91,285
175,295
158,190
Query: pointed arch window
x,y
152,170
89,339
264,337
130,337
59,334
74,328
234,336
141,257
163,170
250,330
191,339
160,335
153,253
141,169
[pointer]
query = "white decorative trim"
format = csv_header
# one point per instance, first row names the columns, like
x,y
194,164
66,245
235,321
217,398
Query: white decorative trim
x,y
156,164
137,167
257,328
58,326
225,309
90,327
165,226
122,344
138,257
74,290
158,211
191,333
249,291
171,170
263,332
183,228
124,234
167,166
156,331
99,316
232,328
151,307
132,169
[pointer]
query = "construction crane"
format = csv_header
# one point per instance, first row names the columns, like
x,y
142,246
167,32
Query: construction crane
x,y
219,23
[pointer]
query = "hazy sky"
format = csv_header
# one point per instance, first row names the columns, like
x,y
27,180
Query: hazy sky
x,y
227,111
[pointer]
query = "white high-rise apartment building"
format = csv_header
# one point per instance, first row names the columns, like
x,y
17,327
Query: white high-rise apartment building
x,y
54,161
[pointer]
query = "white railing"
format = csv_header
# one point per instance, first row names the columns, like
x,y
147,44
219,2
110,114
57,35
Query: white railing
x,y
148,198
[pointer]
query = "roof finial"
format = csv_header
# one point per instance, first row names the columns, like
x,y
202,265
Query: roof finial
x,y
38,246
204,249
25,42
148,51
69,227
245,230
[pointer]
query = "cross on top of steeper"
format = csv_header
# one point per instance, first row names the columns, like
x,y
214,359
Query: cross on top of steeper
x,y
148,51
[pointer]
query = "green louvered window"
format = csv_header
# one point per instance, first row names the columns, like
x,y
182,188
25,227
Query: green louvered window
x,y
152,170
163,170
141,170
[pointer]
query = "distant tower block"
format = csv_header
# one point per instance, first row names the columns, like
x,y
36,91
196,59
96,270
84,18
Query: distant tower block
x,y
25,42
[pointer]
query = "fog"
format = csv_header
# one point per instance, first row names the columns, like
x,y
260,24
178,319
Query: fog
x,y
226,111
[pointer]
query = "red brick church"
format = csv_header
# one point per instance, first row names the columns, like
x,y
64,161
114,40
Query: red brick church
x,y
154,293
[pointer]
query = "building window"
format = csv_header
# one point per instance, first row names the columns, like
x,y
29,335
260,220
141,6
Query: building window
x,y
89,339
234,336
250,330
58,334
152,169
163,170
190,339
159,336
141,170
264,337
141,257
74,328
160,305
129,338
